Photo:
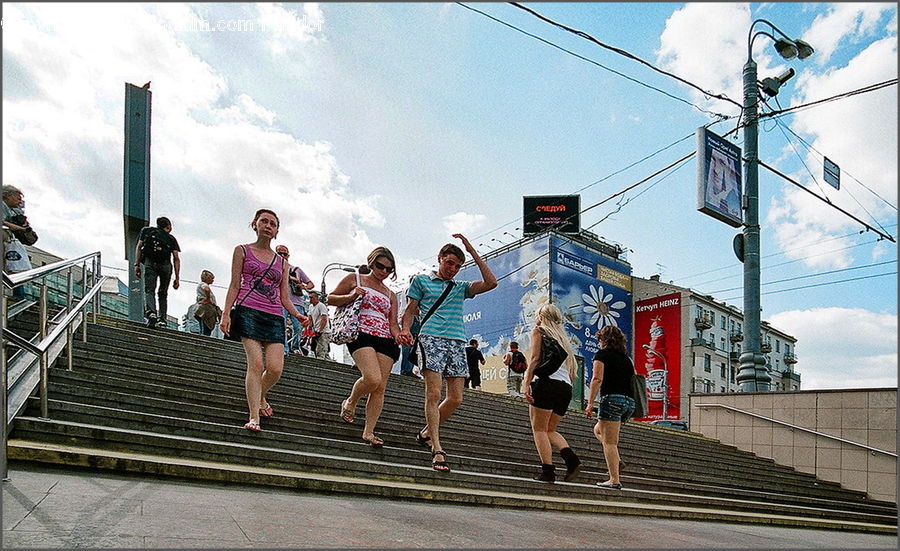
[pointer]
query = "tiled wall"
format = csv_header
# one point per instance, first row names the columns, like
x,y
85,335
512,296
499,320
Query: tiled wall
x,y
865,416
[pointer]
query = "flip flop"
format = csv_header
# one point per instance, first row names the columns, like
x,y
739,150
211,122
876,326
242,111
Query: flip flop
x,y
266,411
608,486
250,425
375,441
346,414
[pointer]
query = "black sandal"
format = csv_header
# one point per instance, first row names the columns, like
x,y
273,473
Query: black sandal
x,y
423,441
442,466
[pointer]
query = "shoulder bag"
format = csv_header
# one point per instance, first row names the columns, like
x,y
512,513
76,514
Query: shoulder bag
x,y
232,334
417,351
345,325
639,394
552,356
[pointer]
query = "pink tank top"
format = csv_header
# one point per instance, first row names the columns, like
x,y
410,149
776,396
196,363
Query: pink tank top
x,y
266,296
374,312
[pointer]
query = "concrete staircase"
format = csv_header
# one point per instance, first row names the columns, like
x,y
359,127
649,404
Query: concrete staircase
x,y
172,404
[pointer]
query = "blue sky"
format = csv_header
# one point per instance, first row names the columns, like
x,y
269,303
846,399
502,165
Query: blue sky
x,y
398,124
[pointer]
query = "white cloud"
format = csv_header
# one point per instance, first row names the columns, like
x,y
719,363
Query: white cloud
x,y
288,28
843,21
860,135
216,157
464,223
842,347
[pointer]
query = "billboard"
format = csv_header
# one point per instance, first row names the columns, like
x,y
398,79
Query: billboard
x,y
592,291
559,212
506,313
657,353
719,186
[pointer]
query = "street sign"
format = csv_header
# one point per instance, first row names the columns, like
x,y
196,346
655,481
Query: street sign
x,y
832,174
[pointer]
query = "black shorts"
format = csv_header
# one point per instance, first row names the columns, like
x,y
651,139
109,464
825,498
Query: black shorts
x,y
382,345
259,326
551,394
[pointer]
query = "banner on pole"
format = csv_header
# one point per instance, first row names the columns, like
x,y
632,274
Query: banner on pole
x,y
719,185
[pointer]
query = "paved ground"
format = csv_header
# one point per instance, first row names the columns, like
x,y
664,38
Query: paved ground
x,y
48,507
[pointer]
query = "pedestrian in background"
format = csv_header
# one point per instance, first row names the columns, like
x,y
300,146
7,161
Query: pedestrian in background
x,y
207,313
515,363
158,251
375,349
298,281
549,392
473,358
321,326
612,375
15,225
259,291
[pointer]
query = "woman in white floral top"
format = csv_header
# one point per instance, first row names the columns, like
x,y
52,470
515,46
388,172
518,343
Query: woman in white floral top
x,y
375,350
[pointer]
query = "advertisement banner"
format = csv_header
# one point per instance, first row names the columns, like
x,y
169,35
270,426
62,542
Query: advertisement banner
x,y
592,291
719,178
657,354
506,313
561,213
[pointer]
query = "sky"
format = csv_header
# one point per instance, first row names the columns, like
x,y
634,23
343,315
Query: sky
x,y
371,124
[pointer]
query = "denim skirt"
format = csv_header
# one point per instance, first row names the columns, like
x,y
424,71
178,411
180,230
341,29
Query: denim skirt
x,y
259,326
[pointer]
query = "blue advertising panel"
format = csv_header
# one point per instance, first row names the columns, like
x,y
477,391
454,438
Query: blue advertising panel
x,y
592,291
506,313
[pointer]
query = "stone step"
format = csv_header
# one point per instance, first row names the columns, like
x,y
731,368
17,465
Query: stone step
x,y
242,449
174,398
183,468
404,452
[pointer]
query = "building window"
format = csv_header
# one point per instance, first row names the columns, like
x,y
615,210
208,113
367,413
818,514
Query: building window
x,y
787,348
707,386
777,345
723,322
722,369
731,379
722,390
699,311
739,327
712,339
699,334
707,363
712,317
722,343
777,364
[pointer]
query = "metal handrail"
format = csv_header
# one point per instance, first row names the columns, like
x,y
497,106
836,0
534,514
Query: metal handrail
x,y
29,380
804,429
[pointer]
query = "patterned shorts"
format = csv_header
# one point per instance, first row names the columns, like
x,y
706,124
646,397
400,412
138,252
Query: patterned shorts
x,y
445,356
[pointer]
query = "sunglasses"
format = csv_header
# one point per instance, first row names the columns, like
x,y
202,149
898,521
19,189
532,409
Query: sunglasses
x,y
381,266
283,254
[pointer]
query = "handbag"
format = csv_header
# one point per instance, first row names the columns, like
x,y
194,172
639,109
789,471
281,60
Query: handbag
x,y
552,356
296,288
232,335
639,394
16,258
27,236
417,351
345,325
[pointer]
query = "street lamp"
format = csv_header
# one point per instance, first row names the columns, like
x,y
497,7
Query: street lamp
x,y
753,375
665,379
335,266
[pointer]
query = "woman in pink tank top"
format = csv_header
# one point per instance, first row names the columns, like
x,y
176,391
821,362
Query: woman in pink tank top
x,y
375,350
258,291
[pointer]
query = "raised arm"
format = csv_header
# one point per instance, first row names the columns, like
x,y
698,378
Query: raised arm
x,y
488,280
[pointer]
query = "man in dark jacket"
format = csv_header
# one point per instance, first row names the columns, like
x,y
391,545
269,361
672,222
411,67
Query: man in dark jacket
x,y
158,251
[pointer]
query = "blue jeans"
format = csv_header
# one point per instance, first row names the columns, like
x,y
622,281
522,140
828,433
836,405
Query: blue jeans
x,y
294,342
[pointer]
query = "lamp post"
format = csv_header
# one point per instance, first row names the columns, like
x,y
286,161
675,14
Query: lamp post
x,y
752,376
331,267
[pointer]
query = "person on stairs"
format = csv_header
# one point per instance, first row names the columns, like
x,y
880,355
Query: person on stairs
x,y
375,350
612,375
548,388
258,292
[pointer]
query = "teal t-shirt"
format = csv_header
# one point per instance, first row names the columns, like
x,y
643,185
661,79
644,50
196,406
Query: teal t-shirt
x,y
447,321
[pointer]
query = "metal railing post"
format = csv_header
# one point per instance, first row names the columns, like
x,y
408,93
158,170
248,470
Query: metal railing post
x,y
45,406
83,292
95,276
5,378
69,342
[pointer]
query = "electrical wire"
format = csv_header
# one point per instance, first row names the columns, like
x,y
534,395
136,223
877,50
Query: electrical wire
x,y
809,275
591,61
843,95
626,54
819,284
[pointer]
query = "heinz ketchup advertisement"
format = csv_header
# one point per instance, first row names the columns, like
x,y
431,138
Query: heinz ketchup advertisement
x,y
657,354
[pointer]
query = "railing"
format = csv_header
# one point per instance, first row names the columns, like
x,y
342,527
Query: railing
x,y
789,425
23,374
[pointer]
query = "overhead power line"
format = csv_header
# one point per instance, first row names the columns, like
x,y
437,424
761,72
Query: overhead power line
x,y
807,276
626,54
818,285
720,116
804,106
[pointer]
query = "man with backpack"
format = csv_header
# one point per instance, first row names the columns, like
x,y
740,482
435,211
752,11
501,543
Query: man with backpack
x,y
158,251
516,364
